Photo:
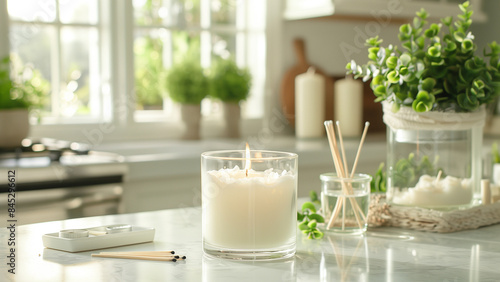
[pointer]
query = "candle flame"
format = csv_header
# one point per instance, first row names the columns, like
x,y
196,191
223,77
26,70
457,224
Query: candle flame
x,y
248,163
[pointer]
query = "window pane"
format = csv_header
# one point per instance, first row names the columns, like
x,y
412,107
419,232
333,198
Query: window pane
x,y
155,50
223,11
185,43
79,77
78,11
32,49
32,10
148,51
224,45
149,12
192,12
178,13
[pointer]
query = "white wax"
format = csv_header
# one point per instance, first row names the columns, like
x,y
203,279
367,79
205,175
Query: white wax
x,y
428,192
309,104
348,101
249,212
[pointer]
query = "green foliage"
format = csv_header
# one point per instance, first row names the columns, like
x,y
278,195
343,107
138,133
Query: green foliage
x,y
309,219
432,69
26,88
186,82
228,82
148,71
406,171
496,154
379,180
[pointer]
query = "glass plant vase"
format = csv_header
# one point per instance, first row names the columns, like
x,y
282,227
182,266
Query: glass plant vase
x,y
433,158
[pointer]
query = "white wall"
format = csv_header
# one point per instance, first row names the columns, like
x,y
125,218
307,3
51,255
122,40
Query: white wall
x,y
489,31
330,44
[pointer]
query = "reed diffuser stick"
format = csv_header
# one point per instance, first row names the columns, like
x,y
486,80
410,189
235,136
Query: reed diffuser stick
x,y
342,173
365,130
333,149
354,166
341,141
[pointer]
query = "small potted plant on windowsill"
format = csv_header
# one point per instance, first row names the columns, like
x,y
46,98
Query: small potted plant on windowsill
x,y
433,88
231,85
187,84
18,95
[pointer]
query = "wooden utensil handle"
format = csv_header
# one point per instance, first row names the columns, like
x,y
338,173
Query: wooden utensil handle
x,y
300,51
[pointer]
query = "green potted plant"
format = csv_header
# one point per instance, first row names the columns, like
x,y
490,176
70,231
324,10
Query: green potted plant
x,y
187,84
231,85
433,89
21,89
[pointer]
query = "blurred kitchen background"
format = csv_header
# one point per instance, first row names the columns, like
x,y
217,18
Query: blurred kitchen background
x,y
98,70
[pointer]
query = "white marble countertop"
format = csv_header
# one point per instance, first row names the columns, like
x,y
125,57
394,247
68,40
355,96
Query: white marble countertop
x,y
383,254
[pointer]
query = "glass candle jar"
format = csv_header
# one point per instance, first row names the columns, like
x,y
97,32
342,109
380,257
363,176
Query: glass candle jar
x,y
249,204
434,158
345,202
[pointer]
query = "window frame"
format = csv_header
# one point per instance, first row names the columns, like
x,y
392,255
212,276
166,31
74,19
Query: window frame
x,y
117,79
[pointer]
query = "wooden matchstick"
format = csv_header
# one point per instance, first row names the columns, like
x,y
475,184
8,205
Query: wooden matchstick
x,y
147,253
139,257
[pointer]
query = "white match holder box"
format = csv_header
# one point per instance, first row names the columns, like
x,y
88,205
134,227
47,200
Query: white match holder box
x,y
135,236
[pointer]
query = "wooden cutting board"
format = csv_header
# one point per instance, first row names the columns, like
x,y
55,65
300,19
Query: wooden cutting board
x,y
288,84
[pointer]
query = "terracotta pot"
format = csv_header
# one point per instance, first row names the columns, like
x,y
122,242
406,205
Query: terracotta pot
x,y
232,117
191,116
14,127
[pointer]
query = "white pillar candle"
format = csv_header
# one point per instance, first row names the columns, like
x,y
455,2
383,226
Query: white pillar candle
x,y
309,104
249,211
348,110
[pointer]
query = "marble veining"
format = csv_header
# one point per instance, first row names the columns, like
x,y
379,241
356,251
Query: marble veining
x,y
382,254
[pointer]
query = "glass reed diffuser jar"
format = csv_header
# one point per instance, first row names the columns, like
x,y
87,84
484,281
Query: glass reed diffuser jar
x,y
433,158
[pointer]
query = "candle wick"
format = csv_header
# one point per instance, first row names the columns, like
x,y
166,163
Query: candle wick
x,y
247,172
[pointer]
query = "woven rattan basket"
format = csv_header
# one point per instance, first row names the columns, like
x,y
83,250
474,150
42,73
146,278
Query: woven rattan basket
x,y
383,214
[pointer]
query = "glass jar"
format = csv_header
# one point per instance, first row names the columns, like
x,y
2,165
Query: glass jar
x,y
249,204
433,158
345,202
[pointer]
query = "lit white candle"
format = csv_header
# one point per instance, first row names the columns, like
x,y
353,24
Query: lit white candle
x,y
430,192
309,104
251,211
348,101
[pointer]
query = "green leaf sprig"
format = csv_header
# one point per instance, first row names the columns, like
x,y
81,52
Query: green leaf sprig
x,y
379,180
432,70
309,218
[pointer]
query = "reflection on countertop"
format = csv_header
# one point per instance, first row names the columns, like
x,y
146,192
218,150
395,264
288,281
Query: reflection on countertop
x,y
382,254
